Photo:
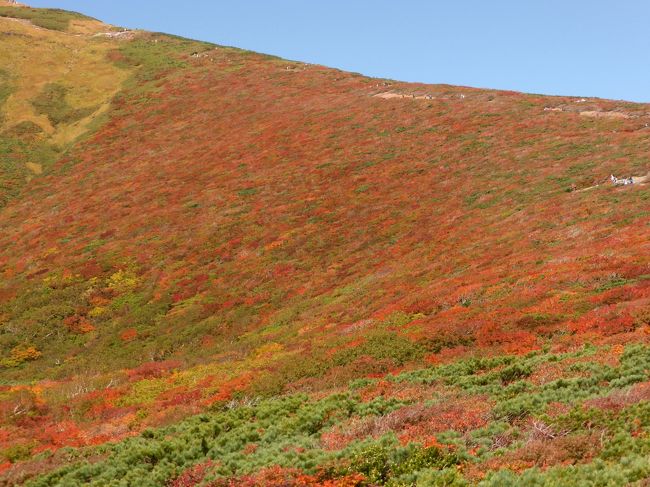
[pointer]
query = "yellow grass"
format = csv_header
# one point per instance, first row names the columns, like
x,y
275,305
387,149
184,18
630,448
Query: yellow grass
x,y
34,167
36,57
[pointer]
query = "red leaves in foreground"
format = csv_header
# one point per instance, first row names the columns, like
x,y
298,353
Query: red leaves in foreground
x,y
462,414
605,321
416,423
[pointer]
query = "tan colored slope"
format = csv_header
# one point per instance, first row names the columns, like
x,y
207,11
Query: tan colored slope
x,y
55,85
85,25
34,57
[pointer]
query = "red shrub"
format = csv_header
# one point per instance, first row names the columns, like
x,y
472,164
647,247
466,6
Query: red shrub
x,y
149,370
129,335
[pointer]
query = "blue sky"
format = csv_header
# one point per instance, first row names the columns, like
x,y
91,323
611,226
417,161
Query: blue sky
x,y
564,47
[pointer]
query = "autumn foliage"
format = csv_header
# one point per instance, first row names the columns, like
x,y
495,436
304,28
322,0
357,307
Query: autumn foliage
x,y
266,266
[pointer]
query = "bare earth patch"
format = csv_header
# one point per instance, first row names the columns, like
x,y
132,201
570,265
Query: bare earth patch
x,y
389,95
34,167
597,114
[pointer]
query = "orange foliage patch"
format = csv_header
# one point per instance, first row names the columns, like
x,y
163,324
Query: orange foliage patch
x,y
128,335
227,389
78,324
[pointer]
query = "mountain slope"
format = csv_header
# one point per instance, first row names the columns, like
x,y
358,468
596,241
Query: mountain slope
x,y
240,226
54,84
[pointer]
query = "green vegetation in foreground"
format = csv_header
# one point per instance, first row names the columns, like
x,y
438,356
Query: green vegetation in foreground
x,y
246,436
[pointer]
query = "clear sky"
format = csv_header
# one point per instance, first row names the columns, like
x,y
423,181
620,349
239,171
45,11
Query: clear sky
x,y
564,47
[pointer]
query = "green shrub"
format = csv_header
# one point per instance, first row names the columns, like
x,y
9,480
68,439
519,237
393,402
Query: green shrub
x,y
386,463
6,89
373,463
382,346
515,372
18,452
47,18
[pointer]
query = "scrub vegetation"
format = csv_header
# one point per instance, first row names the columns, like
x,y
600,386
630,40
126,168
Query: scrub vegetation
x,y
223,268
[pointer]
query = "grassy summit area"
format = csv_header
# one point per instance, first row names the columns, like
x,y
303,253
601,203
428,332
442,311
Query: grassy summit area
x,y
46,18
